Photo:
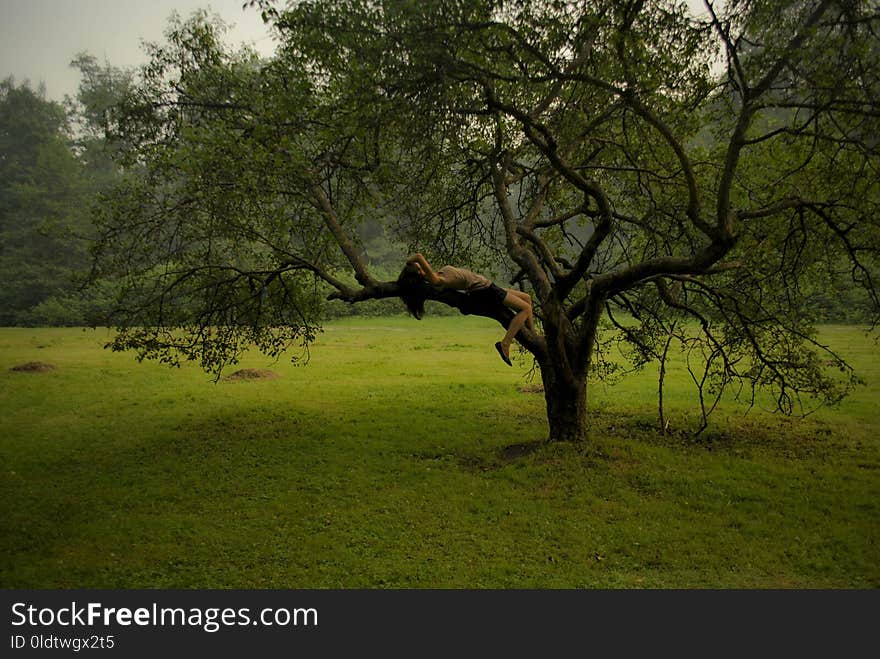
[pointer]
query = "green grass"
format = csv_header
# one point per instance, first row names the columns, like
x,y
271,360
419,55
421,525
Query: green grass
x,y
384,463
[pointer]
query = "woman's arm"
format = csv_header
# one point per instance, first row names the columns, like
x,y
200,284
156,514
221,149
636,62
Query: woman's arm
x,y
427,272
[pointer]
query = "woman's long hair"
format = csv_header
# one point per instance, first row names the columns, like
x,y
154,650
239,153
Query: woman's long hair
x,y
411,287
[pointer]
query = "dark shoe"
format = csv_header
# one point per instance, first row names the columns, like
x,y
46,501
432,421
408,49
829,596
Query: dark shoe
x,y
500,350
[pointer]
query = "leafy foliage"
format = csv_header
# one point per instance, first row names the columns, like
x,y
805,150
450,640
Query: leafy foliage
x,y
589,151
41,187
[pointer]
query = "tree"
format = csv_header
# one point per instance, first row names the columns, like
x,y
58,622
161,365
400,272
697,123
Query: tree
x,y
588,144
40,181
53,162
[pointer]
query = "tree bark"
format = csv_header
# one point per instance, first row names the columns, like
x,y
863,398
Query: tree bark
x,y
566,405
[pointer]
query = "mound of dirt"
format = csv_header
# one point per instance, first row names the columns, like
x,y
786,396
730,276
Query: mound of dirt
x,y
34,367
251,374
532,389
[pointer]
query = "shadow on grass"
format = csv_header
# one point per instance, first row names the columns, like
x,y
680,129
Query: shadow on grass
x,y
519,450
490,460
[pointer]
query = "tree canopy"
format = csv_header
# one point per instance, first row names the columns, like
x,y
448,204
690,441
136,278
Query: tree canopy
x,y
627,163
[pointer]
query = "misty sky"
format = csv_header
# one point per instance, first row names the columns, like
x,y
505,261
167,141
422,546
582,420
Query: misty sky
x,y
39,38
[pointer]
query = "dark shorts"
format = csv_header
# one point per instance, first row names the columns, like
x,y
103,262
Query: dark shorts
x,y
492,294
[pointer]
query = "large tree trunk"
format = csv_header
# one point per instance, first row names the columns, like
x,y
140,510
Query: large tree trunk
x,y
564,367
566,406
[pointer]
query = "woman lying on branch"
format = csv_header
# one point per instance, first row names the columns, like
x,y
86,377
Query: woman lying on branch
x,y
417,270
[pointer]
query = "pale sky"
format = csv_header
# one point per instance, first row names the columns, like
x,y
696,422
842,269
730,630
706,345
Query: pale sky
x,y
39,38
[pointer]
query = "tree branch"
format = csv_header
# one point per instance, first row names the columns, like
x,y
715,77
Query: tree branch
x,y
694,209
523,257
465,303
348,248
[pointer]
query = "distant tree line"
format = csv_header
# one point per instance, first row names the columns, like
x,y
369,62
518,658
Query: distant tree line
x,y
54,162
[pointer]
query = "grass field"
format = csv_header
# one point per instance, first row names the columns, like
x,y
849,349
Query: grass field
x,y
384,463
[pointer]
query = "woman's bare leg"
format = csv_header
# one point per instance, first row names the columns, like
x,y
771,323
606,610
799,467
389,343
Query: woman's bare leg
x,y
522,303
530,321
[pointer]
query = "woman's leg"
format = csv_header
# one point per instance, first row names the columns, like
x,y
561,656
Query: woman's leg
x,y
530,321
522,304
